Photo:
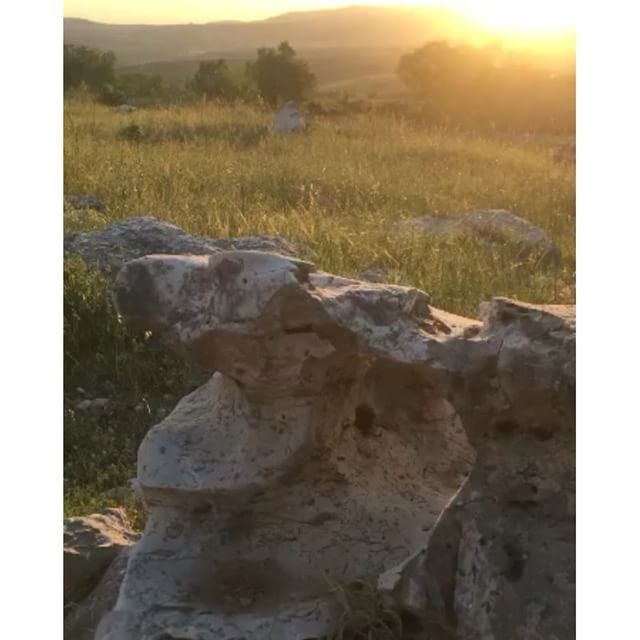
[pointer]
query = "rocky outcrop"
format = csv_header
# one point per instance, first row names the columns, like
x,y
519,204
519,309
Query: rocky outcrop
x,y
91,543
490,226
316,453
132,238
500,563
340,419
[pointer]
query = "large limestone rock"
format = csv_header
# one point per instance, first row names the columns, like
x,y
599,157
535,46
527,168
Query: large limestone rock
x,y
490,226
136,237
327,446
91,543
500,563
318,452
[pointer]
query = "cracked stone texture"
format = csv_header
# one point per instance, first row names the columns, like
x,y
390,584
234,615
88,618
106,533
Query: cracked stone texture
x,y
90,545
132,238
318,449
327,443
500,563
491,226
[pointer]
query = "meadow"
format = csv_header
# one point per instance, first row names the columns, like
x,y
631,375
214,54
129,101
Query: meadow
x,y
335,190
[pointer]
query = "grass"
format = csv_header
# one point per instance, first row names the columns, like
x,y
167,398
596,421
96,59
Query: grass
x,y
218,171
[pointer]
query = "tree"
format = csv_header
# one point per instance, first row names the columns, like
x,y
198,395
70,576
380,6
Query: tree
x,y
83,65
214,80
279,75
489,87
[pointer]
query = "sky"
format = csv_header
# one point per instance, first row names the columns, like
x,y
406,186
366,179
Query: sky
x,y
509,15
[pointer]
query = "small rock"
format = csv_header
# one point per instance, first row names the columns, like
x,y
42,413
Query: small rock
x,y
288,119
139,408
84,405
492,227
100,403
374,274
161,412
81,391
84,201
125,108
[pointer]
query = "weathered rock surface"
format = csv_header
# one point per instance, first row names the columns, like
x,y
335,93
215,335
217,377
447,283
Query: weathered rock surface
x,y
318,448
83,201
493,226
91,543
81,621
133,238
500,563
327,444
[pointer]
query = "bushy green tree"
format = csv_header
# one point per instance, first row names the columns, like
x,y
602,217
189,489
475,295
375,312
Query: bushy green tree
x,y
213,80
489,87
279,75
91,67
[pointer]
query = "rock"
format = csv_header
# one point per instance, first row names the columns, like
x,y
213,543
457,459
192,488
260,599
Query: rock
x,y
125,108
334,441
317,448
374,274
492,564
492,226
288,119
84,201
136,237
81,621
90,545
88,404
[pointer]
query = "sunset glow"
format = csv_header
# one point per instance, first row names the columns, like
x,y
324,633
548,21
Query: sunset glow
x,y
504,17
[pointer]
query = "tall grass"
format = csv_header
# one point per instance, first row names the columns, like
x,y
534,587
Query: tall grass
x,y
336,190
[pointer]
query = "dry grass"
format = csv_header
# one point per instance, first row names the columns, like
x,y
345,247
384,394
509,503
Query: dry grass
x,y
218,171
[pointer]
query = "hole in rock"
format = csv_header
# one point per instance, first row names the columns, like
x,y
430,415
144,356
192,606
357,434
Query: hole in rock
x,y
305,328
541,433
505,428
515,563
364,419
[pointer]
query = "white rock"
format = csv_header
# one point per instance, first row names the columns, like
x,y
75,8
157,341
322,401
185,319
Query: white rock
x,y
288,119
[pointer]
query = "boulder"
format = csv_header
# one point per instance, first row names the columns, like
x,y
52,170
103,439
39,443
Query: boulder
x,y
83,201
91,543
491,226
317,453
288,119
500,562
136,237
82,619
336,440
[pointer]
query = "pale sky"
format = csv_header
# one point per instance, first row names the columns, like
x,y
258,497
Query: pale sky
x,y
523,15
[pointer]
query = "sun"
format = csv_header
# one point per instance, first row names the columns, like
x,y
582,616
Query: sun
x,y
521,17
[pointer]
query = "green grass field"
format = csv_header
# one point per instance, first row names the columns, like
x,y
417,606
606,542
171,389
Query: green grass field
x,y
218,171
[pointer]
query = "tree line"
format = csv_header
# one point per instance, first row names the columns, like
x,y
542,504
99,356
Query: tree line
x,y
462,85
276,75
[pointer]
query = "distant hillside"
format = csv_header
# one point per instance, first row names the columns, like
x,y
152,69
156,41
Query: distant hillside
x,y
352,27
353,50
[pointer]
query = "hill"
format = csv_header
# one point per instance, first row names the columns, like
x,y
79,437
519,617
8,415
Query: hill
x,y
348,28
